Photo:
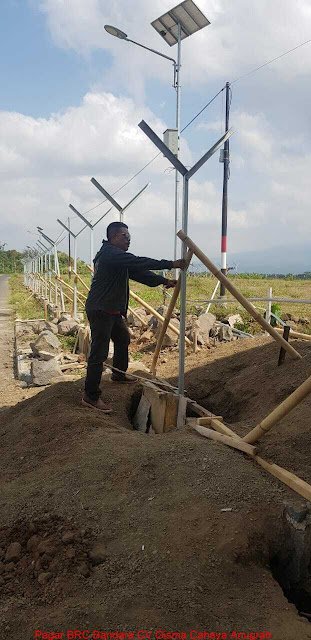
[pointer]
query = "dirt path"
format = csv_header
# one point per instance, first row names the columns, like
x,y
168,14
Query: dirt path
x,y
10,390
8,386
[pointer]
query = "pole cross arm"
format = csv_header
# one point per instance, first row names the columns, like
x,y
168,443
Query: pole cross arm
x,y
136,197
43,245
209,153
80,216
106,194
47,238
67,228
162,147
94,225
113,201
87,223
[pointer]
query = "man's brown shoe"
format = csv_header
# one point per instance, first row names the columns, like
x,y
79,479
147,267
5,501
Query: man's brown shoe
x,y
95,404
124,380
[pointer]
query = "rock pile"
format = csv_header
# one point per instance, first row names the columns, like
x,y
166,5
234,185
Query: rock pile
x,y
205,326
42,361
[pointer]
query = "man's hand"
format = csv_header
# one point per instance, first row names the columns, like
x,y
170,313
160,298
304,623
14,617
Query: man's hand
x,y
170,283
179,264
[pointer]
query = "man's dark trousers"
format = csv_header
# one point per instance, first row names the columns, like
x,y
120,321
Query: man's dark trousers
x,y
105,327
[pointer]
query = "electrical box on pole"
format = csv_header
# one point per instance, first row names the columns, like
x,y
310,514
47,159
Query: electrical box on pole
x,y
170,139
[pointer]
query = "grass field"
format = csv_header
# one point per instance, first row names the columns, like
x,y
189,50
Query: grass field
x,y
24,305
199,288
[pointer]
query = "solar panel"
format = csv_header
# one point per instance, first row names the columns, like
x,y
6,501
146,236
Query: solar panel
x,y
187,14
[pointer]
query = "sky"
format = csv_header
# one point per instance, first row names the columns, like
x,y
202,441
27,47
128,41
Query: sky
x,y
72,97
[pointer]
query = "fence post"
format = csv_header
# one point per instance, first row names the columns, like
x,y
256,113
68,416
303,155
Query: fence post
x,y
268,307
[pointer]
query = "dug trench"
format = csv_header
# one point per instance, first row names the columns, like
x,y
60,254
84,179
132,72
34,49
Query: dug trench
x,y
137,531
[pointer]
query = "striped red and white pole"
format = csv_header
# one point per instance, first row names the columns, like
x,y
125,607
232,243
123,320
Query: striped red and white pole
x,y
224,216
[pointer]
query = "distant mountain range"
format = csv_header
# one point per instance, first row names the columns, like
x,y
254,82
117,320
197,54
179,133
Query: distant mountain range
x,y
282,259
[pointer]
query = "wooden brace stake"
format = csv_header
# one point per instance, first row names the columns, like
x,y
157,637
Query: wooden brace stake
x,y
231,442
279,412
168,316
157,315
141,320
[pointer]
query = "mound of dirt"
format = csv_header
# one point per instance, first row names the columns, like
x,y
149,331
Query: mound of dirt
x,y
172,532
242,382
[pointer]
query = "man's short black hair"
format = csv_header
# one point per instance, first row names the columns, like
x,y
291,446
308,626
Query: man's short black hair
x,y
113,228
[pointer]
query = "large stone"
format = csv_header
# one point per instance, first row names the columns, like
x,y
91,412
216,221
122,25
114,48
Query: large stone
x,y
225,333
170,338
203,325
46,355
146,338
46,341
44,325
154,322
44,371
24,328
133,321
68,327
64,317
234,319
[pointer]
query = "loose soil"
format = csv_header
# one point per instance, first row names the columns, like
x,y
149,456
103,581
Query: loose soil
x,y
124,531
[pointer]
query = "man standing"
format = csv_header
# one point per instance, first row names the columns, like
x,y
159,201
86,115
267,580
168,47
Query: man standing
x,y
107,304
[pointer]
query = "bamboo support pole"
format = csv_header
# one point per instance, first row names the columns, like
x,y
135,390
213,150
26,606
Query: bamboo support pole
x,y
168,317
247,305
296,334
216,423
279,412
293,482
141,320
80,280
157,315
286,477
231,442
79,295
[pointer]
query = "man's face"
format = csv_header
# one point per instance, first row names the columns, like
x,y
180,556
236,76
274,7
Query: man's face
x,y
122,239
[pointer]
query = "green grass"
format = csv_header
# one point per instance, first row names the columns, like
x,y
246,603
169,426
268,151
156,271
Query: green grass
x,y
24,305
67,342
200,288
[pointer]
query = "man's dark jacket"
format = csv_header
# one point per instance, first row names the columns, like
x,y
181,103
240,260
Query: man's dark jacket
x,y
112,270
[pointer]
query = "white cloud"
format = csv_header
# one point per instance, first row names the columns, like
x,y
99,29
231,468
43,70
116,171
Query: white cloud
x,y
45,163
242,35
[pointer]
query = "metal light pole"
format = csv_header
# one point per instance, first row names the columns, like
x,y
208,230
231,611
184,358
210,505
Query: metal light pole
x,y
173,26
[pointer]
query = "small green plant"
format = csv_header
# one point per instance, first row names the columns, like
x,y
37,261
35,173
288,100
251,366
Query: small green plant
x,y
276,309
137,356
67,342
243,326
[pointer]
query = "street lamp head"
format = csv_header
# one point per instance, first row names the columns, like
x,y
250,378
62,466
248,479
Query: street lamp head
x,y
114,31
40,228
